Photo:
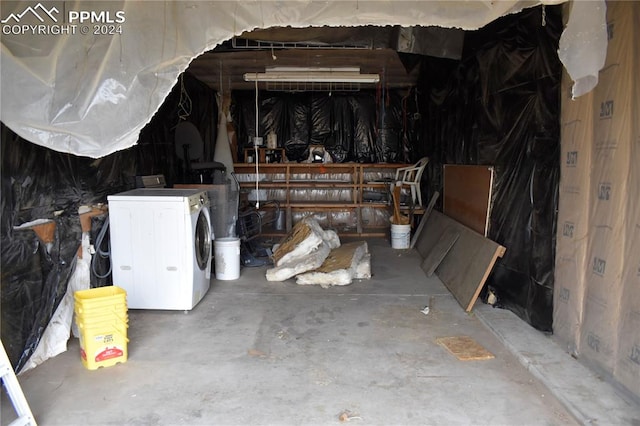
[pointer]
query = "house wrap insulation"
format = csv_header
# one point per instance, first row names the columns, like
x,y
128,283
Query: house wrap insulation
x,y
597,288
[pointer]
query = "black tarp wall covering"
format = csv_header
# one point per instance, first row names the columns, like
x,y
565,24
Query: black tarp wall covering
x,y
500,106
157,150
38,183
365,126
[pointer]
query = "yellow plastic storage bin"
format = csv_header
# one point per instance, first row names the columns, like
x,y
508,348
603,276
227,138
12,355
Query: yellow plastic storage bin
x,y
101,298
103,346
101,316
120,312
122,326
83,320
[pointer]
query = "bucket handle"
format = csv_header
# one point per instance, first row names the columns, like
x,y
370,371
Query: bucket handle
x,y
111,312
126,339
117,330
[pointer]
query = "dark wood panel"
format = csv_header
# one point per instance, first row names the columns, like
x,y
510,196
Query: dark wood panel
x,y
467,195
439,251
466,267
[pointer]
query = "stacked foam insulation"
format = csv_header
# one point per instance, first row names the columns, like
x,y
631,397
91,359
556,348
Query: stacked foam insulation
x,y
304,249
597,291
340,267
315,256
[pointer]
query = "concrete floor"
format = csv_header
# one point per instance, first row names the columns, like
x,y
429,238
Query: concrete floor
x,y
254,352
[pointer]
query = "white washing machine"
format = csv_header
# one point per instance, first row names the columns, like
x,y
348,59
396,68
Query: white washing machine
x,y
161,246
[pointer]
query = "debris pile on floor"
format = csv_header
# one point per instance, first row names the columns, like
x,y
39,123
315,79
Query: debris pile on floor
x,y
315,256
347,416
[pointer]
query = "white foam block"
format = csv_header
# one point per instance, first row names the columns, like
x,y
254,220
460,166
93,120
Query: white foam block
x,y
316,236
339,268
298,265
363,270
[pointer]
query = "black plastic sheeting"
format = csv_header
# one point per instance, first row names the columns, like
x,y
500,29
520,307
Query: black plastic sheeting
x,y
497,106
500,106
365,126
189,100
38,183
33,283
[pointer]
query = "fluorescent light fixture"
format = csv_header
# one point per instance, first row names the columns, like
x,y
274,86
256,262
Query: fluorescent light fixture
x,y
312,75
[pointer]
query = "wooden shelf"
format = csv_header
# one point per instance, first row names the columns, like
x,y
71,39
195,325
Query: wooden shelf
x,y
319,184
265,155
353,179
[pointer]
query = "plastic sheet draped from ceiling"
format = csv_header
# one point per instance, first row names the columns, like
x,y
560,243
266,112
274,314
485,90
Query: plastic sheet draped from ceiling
x,y
90,95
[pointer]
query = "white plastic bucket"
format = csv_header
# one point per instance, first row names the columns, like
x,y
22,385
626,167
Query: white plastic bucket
x,y
400,236
227,258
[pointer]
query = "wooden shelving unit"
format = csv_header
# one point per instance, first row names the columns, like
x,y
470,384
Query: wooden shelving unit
x,y
265,154
327,191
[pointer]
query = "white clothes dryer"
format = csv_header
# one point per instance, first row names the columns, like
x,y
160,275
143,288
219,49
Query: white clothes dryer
x,y
161,246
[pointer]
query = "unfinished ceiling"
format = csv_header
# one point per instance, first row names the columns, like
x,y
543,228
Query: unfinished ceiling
x,y
375,50
91,94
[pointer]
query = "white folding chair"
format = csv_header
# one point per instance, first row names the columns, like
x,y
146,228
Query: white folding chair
x,y
410,176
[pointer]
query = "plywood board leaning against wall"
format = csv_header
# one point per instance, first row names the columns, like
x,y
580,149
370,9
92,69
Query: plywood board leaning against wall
x,y
468,262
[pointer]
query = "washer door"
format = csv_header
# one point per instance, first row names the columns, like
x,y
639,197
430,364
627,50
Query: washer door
x,y
202,241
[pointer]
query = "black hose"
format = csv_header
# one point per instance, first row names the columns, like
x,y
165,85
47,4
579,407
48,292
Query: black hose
x,y
102,254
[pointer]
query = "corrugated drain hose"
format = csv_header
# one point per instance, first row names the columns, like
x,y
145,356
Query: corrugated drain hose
x,y
102,254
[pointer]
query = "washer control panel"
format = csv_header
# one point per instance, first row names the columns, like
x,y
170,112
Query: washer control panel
x,y
197,201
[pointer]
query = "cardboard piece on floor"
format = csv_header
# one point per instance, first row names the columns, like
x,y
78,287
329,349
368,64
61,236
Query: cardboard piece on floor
x,y
425,216
446,241
464,348
466,267
338,268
